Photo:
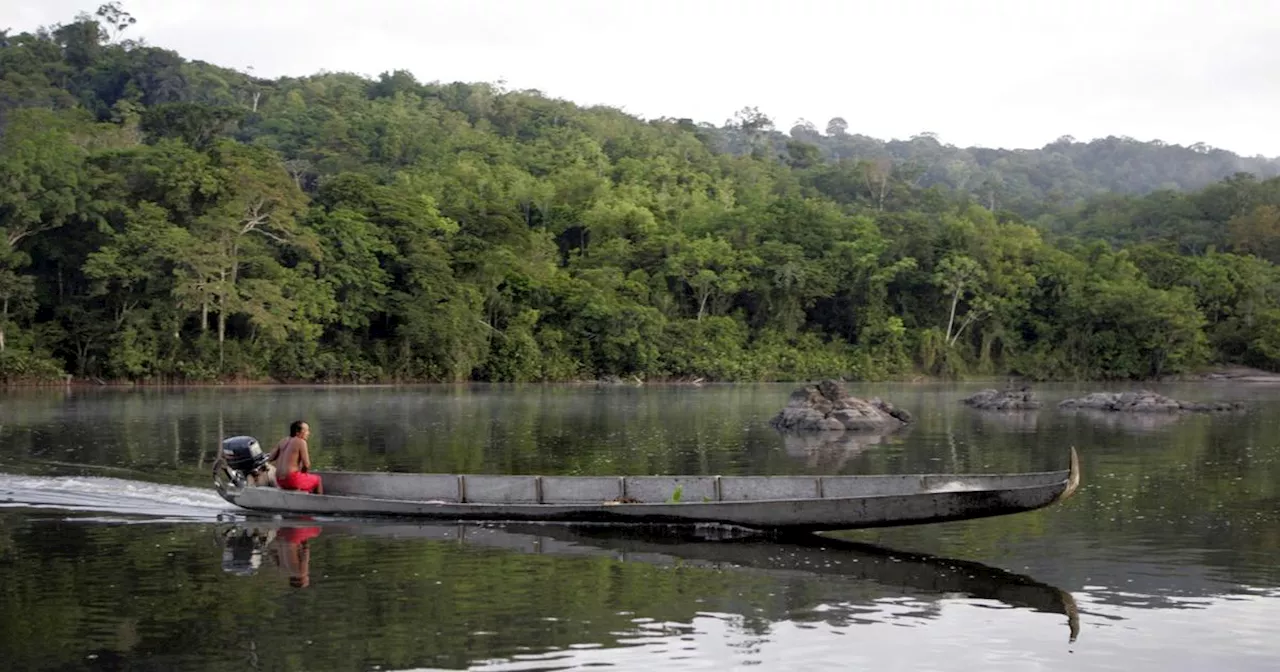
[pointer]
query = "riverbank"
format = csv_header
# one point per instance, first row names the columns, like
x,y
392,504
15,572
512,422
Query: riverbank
x,y
1240,374
98,383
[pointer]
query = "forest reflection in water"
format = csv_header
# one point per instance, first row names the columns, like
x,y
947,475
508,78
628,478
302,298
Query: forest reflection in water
x,y
335,594
1167,550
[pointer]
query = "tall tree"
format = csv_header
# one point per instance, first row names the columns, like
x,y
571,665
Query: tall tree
x,y
256,208
44,183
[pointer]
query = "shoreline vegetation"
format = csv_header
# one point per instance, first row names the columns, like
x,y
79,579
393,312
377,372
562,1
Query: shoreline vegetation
x,y
1208,375
168,222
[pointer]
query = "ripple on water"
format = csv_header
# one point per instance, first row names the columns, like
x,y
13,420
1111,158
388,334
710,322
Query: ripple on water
x,y
1150,639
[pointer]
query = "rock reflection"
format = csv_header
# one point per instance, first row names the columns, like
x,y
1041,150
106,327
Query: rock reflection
x,y
803,556
829,451
1025,421
1126,422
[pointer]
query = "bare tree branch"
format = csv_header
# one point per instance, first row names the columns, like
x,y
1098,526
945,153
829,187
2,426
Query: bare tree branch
x,y
270,235
17,234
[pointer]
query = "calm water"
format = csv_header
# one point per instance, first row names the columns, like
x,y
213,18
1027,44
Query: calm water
x,y
115,553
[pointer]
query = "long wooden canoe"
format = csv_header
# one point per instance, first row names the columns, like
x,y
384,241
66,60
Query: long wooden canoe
x,y
779,503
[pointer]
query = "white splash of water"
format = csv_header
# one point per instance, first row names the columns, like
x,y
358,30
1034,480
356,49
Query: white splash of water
x,y
111,495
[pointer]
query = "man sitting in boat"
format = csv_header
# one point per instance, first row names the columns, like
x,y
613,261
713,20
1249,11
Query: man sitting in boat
x,y
293,461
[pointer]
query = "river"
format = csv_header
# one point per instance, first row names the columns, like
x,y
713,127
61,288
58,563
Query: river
x,y
116,554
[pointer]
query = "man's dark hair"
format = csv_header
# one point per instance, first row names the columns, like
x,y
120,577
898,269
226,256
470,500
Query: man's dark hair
x,y
295,428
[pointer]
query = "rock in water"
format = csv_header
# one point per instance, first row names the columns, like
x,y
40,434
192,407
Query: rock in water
x,y
1145,401
828,407
1004,400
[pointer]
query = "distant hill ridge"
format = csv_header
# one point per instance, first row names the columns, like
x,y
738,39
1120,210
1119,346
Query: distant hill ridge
x,y
1063,172
1029,181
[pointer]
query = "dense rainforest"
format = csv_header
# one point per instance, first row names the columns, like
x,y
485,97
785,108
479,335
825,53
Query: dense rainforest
x,y
169,220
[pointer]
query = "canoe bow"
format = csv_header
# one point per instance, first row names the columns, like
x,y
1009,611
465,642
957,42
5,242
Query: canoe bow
x,y
1073,478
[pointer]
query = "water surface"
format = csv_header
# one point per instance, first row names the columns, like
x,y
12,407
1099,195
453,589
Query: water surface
x,y
115,553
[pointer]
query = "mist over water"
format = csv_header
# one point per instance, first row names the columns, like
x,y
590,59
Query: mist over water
x,y
1164,560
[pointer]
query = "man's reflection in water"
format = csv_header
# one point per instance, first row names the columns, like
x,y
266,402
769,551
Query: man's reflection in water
x,y
294,553
244,548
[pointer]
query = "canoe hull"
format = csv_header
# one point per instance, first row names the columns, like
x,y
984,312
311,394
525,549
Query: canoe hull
x,y
798,515
973,497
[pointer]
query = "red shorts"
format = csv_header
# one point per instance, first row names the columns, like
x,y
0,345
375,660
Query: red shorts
x,y
298,480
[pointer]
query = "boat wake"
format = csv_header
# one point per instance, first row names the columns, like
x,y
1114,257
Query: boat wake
x,y
112,496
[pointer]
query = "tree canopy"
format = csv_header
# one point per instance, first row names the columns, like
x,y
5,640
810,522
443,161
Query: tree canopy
x,y
171,220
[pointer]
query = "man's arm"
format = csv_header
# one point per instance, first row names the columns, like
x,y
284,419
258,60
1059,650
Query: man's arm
x,y
304,455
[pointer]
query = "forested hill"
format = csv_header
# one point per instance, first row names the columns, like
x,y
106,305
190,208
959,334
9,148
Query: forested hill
x,y
1031,181
162,219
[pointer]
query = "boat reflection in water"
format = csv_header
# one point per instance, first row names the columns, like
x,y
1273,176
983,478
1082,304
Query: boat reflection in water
x,y
244,548
712,547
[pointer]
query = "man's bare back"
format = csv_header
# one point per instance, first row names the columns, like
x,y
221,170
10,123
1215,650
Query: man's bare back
x,y
293,461
292,455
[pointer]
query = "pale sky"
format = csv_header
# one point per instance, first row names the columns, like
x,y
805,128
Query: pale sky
x,y
1015,73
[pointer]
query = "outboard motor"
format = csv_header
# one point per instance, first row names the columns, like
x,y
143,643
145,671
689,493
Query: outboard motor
x,y
242,550
244,454
244,463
